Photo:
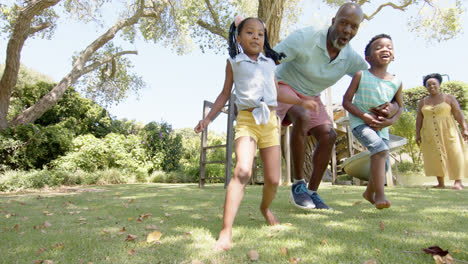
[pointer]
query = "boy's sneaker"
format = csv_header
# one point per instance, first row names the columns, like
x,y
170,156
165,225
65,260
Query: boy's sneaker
x,y
319,203
300,196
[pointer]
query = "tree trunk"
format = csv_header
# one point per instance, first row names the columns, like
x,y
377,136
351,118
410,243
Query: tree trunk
x,y
21,32
271,12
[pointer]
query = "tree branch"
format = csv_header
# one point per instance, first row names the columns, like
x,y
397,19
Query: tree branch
x,y
38,28
213,13
399,7
213,29
96,64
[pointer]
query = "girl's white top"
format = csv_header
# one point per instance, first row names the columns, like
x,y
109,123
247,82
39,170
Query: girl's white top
x,y
254,85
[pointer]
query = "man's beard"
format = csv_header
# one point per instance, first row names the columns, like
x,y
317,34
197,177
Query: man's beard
x,y
338,46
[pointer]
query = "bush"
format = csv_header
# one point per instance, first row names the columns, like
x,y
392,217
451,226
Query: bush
x,y
171,177
407,166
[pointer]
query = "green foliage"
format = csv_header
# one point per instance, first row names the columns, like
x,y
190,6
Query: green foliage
x,y
407,166
90,154
191,157
163,146
458,89
405,127
30,146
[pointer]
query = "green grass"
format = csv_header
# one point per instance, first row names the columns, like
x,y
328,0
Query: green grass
x,y
86,226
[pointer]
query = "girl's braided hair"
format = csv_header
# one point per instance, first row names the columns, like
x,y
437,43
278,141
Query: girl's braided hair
x,y
234,50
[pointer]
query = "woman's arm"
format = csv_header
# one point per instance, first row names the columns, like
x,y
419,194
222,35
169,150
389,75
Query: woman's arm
x,y
419,120
221,100
458,115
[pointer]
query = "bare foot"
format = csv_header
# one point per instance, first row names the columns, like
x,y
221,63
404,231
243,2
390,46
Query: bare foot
x,y
457,187
438,186
269,217
382,204
224,241
369,197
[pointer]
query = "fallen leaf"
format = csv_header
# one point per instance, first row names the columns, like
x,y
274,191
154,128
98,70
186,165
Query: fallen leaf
x,y
131,238
131,201
382,226
324,241
147,215
130,219
131,252
58,246
284,251
38,262
378,251
372,261
16,227
47,224
40,250
294,260
153,236
81,219
151,227
356,203
435,250
196,262
287,224
105,231
438,259
253,255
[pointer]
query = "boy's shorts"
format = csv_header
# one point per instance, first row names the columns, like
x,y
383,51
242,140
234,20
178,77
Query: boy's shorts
x,y
316,118
266,135
370,139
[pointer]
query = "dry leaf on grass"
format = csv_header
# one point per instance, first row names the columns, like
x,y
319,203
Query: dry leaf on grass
x,y
356,203
372,261
131,252
131,238
294,260
151,227
153,237
284,251
253,255
382,226
324,241
58,246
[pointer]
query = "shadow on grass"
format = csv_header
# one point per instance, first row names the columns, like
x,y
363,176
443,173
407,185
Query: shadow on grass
x,y
91,226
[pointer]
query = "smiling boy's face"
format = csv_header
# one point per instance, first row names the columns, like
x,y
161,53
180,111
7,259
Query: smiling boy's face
x,y
381,52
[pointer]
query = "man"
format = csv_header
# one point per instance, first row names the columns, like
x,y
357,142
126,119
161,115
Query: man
x,y
315,60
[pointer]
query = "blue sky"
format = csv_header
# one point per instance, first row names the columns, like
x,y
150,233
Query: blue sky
x,y
177,85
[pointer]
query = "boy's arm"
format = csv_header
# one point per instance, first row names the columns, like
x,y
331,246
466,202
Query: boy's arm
x,y
385,122
221,100
350,107
303,100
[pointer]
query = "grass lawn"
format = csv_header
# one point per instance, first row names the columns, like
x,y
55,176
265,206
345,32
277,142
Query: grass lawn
x,y
97,224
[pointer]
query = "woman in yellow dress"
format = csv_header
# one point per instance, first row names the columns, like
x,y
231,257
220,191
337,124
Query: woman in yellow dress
x,y
444,150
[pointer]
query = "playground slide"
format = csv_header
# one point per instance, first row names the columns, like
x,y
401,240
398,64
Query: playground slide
x,y
359,165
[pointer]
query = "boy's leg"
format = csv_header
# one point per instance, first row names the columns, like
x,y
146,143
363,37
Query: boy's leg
x,y
440,183
377,168
271,158
245,152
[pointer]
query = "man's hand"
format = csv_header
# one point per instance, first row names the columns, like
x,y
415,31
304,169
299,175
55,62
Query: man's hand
x,y
386,110
310,104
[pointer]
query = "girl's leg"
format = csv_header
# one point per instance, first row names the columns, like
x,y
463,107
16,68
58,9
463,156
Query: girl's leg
x,y
377,168
245,152
271,158
457,185
440,184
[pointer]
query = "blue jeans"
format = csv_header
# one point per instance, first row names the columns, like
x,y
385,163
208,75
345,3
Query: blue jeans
x,y
372,141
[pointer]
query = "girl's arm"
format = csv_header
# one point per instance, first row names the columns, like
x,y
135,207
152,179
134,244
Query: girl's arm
x,y
221,100
304,101
419,121
458,115
348,101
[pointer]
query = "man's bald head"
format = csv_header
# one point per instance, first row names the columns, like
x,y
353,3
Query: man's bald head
x,y
347,8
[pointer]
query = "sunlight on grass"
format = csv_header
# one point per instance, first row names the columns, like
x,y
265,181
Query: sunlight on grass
x,y
95,226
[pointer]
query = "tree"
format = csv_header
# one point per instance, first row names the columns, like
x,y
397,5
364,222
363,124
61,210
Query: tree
x,y
174,23
436,20
108,78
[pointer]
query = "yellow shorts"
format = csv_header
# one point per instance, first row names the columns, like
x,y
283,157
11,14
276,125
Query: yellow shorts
x,y
266,135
